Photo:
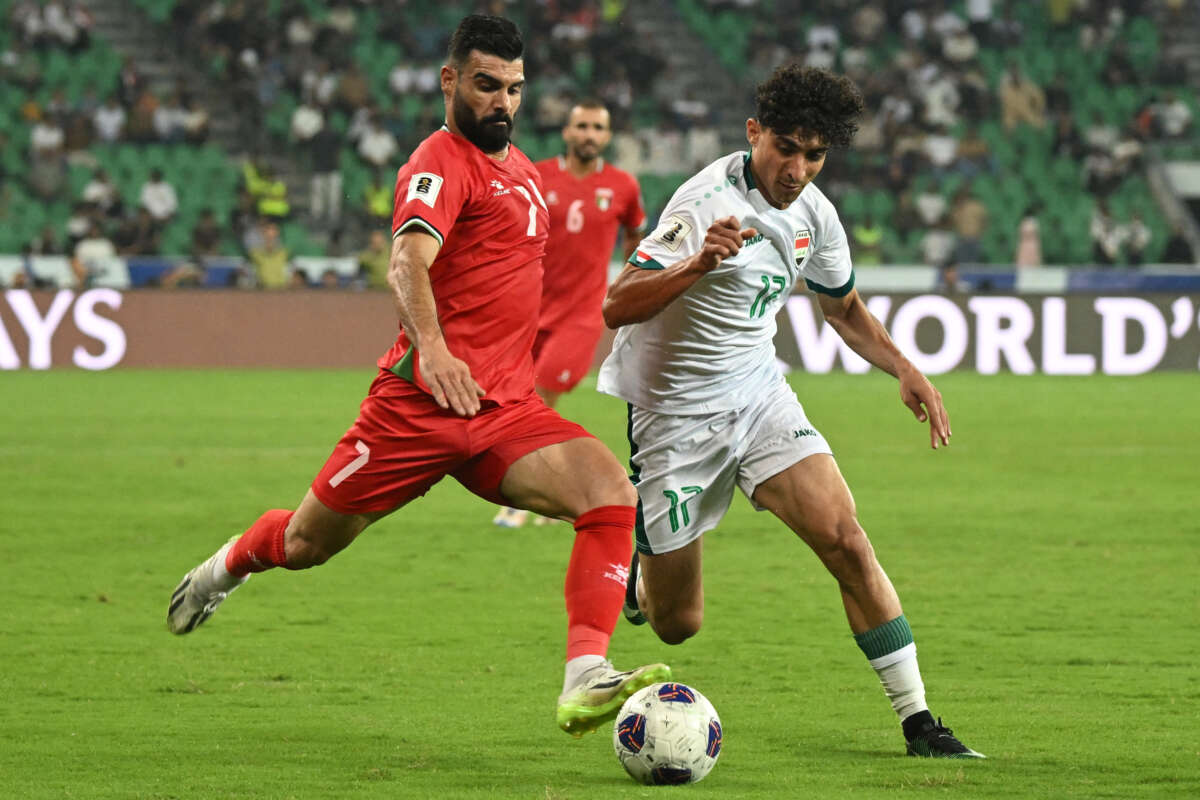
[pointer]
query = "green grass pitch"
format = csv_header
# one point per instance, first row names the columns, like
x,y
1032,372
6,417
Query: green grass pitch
x,y
1047,561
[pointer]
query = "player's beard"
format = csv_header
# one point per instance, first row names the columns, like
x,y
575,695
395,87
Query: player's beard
x,y
488,137
585,156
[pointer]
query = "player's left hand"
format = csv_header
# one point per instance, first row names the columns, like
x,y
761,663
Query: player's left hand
x,y
450,380
925,401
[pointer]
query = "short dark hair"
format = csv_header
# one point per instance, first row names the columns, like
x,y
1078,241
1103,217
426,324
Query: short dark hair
x,y
590,102
812,100
494,36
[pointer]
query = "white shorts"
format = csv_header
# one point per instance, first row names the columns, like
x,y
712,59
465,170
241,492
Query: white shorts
x,y
686,467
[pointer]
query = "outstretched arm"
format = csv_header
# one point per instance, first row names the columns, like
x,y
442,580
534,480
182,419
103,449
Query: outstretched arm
x,y
638,294
865,335
448,377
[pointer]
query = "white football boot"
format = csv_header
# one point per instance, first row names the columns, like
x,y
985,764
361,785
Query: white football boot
x,y
199,593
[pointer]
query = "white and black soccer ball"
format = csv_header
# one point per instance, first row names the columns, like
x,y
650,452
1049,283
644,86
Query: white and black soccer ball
x,y
667,733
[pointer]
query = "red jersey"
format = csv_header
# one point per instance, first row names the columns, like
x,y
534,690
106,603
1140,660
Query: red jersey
x,y
490,218
584,216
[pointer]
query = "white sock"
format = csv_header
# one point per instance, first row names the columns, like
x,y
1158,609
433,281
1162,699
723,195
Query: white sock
x,y
901,679
221,577
578,667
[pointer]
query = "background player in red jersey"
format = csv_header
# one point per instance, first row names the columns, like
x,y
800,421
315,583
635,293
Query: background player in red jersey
x,y
590,202
455,393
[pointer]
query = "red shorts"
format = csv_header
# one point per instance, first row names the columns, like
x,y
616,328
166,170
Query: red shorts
x,y
563,355
403,443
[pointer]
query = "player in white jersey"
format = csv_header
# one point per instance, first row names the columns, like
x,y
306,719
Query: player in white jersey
x,y
709,409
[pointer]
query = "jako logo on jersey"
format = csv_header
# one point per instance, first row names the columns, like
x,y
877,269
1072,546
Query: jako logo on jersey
x,y
672,231
425,187
803,238
604,198
796,434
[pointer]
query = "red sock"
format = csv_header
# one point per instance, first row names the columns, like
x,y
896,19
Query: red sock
x,y
596,575
261,547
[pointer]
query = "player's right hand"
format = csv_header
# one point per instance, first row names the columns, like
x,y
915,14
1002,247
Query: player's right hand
x,y
723,240
450,381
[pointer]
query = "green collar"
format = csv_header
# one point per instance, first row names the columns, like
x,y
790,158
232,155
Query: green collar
x,y
747,174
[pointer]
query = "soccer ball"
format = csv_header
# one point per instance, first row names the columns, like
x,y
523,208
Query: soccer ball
x,y
667,733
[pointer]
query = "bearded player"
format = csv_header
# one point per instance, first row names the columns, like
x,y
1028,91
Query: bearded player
x,y
590,203
455,394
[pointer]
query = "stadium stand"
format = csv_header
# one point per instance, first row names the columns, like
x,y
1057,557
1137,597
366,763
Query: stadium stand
x,y
985,118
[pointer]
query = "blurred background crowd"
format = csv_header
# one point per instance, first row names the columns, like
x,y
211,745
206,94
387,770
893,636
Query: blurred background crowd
x,y
1006,133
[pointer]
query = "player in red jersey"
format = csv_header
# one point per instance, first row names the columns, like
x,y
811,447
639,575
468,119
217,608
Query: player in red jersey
x,y
590,202
455,394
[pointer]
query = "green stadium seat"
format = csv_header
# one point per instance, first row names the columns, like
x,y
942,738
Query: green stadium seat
x,y
881,204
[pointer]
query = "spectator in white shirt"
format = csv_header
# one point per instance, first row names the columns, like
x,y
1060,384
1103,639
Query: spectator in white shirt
x,y
90,255
937,245
1174,116
941,149
408,78
59,23
402,78
947,23
321,83
823,41
979,19
428,79
307,120
102,193
1137,237
158,197
46,139
169,120
914,25
109,120
1107,236
940,98
377,146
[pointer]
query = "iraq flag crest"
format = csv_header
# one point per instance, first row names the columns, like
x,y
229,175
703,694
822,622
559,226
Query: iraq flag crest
x,y
800,246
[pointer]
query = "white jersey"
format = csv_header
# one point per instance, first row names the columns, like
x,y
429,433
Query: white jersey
x,y
712,348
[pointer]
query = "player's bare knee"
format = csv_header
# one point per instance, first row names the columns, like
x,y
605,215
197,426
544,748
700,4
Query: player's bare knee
x,y
613,490
677,627
843,547
623,493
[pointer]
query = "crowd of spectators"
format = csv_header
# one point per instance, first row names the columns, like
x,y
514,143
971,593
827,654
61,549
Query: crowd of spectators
x,y
929,99
62,128
321,91
51,24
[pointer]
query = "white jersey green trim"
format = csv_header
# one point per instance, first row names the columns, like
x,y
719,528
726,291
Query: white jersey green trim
x,y
712,348
644,261
840,291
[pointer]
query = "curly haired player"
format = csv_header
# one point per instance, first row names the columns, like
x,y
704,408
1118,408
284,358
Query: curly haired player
x,y
709,410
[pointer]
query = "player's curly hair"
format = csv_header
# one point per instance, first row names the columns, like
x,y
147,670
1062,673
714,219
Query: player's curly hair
x,y
812,100
493,36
